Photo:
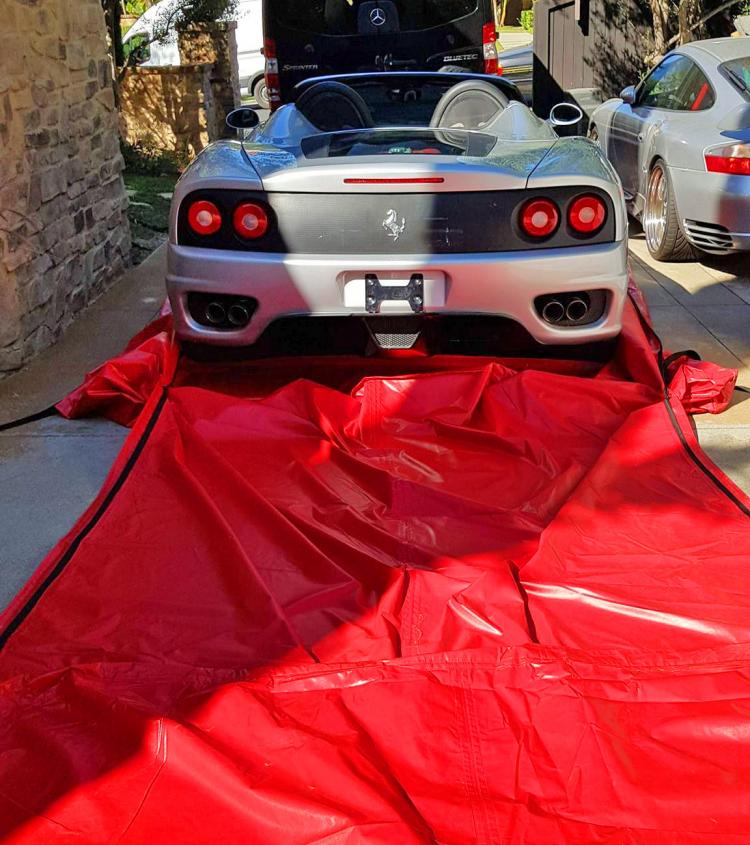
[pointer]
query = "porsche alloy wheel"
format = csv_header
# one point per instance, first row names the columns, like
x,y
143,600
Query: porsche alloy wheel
x,y
664,237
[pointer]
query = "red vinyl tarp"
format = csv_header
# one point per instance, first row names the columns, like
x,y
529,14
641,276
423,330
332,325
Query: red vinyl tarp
x,y
439,600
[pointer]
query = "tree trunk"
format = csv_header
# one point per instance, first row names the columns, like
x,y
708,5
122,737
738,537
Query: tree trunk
x,y
687,16
113,13
660,14
503,13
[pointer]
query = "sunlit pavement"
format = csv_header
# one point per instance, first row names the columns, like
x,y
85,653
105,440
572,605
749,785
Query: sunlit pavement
x,y
509,40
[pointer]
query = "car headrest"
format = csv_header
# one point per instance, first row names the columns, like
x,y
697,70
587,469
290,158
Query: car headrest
x,y
333,106
471,104
518,123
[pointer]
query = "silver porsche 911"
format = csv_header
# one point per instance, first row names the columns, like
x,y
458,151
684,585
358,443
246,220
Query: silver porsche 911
x,y
680,142
401,199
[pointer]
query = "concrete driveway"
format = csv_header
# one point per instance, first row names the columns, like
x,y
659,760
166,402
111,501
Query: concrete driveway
x,y
51,470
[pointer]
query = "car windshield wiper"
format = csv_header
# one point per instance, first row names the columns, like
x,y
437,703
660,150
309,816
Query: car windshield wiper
x,y
737,79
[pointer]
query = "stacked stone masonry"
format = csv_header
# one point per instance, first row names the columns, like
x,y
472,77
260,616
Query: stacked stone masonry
x,y
168,108
215,44
64,235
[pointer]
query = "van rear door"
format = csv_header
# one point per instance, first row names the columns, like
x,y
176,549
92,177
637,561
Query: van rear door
x,y
322,37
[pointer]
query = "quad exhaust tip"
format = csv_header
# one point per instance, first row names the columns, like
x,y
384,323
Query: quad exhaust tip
x,y
553,311
238,315
221,312
577,310
570,309
216,314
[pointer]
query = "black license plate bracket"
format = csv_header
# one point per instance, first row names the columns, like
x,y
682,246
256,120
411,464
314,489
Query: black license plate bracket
x,y
376,293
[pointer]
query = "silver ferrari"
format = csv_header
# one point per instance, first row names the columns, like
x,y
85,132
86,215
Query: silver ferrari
x,y
405,200
680,142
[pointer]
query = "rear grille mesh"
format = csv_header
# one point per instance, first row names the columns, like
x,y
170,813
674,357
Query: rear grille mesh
x,y
396,341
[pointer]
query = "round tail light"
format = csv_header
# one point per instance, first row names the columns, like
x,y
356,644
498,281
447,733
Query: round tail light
x,y
250,220
539,218
587,215
204,218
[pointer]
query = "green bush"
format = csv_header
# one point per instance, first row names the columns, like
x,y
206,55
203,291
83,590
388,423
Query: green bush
x,y
527,20
146,159
135,7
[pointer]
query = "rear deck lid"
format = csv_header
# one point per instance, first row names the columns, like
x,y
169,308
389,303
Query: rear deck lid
x,y
400,160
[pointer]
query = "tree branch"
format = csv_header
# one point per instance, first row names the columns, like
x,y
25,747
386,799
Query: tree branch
x,y
699,23
160,31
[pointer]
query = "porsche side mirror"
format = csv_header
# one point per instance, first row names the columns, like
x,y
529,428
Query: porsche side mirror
x,y
243,118
565,114
627,95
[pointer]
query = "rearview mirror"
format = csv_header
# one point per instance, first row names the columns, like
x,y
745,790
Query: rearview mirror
x,y
565,114
243,118
627,95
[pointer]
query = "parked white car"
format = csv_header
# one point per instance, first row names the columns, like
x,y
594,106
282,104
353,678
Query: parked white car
x,y
249,43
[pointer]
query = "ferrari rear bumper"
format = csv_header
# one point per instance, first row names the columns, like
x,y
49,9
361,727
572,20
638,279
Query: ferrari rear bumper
x,y
505,284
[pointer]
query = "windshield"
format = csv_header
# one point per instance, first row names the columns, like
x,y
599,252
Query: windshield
x,y
408,99
738,70
402,104
352,17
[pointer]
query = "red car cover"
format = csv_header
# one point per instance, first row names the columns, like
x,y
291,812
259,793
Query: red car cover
x,y
432,600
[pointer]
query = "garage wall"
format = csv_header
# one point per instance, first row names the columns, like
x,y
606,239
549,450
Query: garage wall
x,y
585,47
63,233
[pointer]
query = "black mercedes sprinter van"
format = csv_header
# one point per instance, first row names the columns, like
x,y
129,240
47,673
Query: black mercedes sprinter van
x,y
305,38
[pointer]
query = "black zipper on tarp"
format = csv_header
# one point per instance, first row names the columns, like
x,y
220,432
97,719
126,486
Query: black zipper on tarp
x,y
30,418
663,364
59,567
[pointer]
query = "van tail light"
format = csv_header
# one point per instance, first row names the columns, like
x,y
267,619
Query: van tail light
x,y
204,218
539,218
250,220
733,159
273,83
587,214
489,47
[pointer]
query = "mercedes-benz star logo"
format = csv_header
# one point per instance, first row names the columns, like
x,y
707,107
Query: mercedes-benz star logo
x,y
393,228
377,17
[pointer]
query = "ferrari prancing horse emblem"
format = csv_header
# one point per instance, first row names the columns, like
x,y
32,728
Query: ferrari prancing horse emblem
x,y
392,226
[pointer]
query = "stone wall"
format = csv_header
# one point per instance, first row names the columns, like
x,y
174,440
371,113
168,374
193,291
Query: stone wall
x,y
169,109
63,232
